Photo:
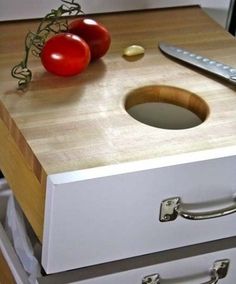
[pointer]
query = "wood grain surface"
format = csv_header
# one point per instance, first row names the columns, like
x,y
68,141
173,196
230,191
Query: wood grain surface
x,y
22,180
6,276
66,124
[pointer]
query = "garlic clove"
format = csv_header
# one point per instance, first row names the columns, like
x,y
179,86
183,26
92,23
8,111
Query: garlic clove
x,y
133,50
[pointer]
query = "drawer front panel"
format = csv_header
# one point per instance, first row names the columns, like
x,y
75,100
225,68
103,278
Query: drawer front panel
x,y
193,270
115,217
187,265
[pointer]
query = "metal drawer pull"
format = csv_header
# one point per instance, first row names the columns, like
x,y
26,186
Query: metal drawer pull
x,y
218,271
172,208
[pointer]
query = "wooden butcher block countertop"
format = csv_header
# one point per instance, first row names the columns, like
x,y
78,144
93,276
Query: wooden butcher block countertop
x,y
66,124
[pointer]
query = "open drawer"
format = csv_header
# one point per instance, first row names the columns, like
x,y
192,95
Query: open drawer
x,y
92,219
193,264
111,213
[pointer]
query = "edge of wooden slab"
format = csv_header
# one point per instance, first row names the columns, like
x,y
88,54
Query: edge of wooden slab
x,y
26,187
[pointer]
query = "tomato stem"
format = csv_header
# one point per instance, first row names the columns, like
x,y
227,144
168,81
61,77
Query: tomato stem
x,y
54,22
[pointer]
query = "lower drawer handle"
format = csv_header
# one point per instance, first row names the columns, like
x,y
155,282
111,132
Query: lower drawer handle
x,y
218,271
172,208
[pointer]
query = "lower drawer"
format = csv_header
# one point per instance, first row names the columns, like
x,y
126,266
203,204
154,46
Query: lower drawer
x,y
197,264
189,265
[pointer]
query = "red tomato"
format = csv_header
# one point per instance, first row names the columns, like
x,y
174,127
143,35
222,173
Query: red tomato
x,y
95,34
65,54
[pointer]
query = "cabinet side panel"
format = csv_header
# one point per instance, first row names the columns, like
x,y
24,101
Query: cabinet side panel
x,y
5,272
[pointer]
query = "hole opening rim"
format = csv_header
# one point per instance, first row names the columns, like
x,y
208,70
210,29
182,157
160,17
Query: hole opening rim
x,y
170,95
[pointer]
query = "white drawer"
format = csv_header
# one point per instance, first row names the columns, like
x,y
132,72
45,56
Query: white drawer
x,y
92,219
177,265
190,265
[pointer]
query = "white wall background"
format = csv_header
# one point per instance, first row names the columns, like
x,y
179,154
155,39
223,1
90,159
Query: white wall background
x,y
27,9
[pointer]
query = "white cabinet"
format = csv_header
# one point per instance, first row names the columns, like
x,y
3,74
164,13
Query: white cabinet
x,y
102,221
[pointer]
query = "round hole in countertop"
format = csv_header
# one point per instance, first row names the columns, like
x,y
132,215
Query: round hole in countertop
x,y
166,107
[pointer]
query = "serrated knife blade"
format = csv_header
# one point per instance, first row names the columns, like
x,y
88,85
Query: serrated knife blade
x,y
217,68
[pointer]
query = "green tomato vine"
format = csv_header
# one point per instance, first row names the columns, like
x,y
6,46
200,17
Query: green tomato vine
x,y
53,23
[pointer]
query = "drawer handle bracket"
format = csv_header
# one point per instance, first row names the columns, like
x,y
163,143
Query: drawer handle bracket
x,y
217,272
172,208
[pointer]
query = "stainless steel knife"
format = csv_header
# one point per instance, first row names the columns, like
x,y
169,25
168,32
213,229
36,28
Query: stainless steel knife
x,y
218,68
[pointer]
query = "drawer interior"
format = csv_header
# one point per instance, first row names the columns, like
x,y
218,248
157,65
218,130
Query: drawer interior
x,y
8,253
14,247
